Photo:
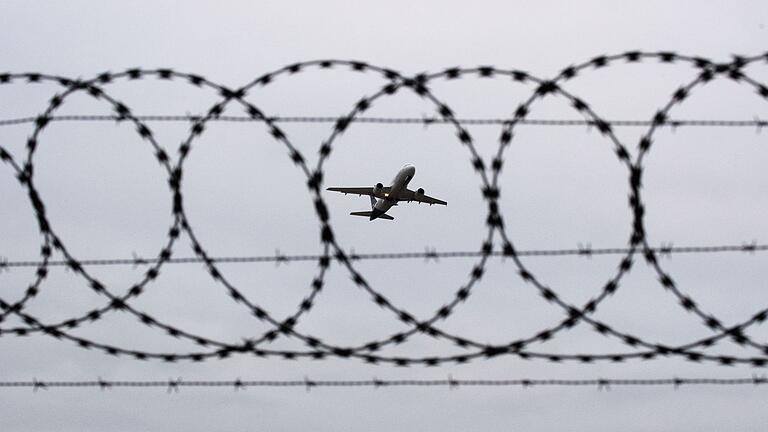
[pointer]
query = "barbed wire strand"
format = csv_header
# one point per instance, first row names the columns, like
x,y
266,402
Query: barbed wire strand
x,y
174,385
425,121
427,254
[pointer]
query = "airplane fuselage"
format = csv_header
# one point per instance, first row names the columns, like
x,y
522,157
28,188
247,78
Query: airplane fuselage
x,y
384,197
399,184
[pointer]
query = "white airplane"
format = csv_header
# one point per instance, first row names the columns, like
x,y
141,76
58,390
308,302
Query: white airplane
x,y
389,196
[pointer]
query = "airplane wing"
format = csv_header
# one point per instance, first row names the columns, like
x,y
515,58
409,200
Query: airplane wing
x,y
358,190
409,195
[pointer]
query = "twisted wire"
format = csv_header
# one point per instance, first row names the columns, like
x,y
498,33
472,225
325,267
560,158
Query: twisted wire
x,y
174,385
425,121
427,254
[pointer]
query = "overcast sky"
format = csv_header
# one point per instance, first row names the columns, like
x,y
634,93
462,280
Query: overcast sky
x,y
106,197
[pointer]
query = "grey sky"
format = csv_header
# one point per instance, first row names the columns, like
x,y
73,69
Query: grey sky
x,y
107,197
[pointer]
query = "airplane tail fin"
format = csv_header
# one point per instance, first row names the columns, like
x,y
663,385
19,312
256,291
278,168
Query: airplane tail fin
x,y
368,214
373,202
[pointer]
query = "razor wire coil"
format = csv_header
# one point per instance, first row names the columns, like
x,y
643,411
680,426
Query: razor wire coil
x,y
488,171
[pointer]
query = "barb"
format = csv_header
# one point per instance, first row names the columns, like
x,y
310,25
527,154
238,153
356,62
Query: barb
x,y
587,250
279,258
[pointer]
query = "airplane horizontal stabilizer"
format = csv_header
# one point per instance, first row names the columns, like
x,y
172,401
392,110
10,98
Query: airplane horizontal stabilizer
x,y
368,214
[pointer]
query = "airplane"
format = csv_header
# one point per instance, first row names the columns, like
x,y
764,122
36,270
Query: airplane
x,y
384,197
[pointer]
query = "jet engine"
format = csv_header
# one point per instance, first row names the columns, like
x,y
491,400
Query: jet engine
x,y
378,189
420,192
